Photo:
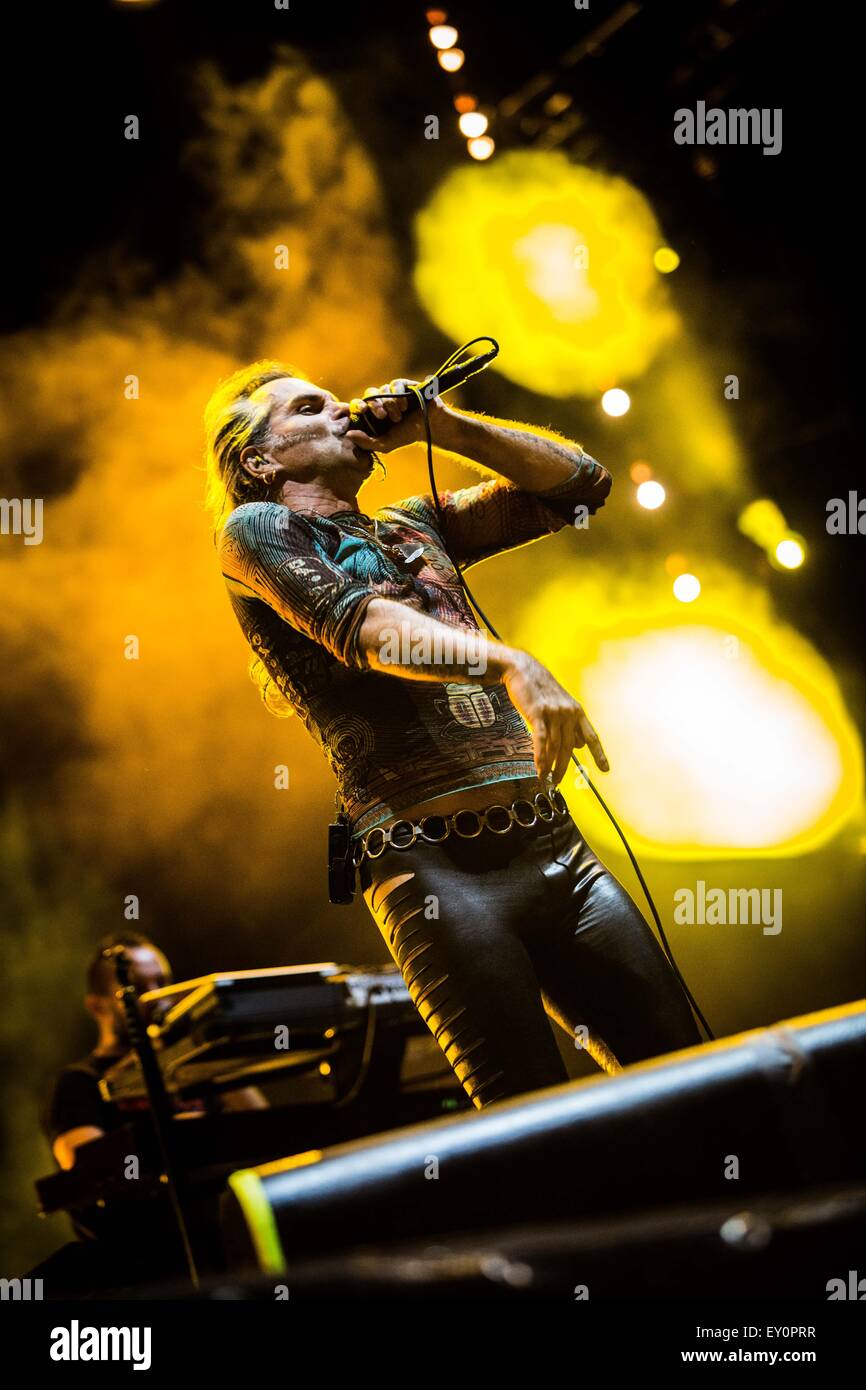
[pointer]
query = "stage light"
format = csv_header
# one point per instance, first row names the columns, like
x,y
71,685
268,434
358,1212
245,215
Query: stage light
x,y
790,553
556,260
435,16
665,260
615,402
640,472
676,564
472,124
726,731
749,764
464,101
763,523
482,148
443,36
687,588
452,59
651,495
557,103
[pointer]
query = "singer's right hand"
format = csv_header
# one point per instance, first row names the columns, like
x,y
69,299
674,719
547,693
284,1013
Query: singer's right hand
x,y
401,431
558,723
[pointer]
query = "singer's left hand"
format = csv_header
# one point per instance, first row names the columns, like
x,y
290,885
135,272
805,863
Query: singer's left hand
x,y
401,431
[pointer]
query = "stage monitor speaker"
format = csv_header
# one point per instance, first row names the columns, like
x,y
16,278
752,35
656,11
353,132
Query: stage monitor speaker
x,y
765,1111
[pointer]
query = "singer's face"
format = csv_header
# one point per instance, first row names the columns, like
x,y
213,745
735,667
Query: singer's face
x,y
308,426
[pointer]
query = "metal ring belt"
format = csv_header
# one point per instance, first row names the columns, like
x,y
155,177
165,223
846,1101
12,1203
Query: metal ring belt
x,y
433,829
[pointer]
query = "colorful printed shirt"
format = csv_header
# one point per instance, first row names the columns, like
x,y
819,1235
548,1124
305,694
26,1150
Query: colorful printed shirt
x,y
299,584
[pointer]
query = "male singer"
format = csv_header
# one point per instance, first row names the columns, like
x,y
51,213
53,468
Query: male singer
x,y
447,747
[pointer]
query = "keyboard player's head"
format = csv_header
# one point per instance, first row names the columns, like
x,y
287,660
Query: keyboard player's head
x,y
77,1112
148,969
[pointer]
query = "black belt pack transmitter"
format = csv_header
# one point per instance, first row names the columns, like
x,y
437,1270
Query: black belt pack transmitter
x,y
341,864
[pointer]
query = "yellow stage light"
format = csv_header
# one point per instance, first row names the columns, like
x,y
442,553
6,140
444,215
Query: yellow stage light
x,y
687,587
556,260
615,402
640,472
472,124
763,523
651,495
726,731
665,260
557,103
443,36
482,148
790,553
464,101
452,59
746,759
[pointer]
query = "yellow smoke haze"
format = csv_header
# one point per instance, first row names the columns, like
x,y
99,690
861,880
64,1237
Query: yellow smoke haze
x,y
180,752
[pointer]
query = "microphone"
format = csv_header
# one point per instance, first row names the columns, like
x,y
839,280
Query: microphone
x,y
446,379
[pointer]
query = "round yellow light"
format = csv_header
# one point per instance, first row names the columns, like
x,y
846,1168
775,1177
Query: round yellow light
x,y
555,260
687,587
451,59
443,36
790,553
472,124
665,260
482,148
615,401
651,495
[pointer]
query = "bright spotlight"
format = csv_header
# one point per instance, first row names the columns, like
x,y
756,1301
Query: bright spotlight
x,y
555,260
665,260
790,553
687,588
451,59
482,148
615,401
472,124
443,36
651,495
782,777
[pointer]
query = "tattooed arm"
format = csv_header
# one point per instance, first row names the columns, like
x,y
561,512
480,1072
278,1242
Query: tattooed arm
x,y
534,459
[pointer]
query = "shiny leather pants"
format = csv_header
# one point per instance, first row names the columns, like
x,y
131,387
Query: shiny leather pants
x,y
494,934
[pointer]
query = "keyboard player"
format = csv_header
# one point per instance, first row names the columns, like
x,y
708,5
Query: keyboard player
x,y
120,1242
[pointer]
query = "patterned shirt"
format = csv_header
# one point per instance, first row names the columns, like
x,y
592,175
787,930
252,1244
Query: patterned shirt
x,y
299,584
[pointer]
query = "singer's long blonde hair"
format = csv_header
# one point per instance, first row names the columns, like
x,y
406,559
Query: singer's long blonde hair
x,y
231,422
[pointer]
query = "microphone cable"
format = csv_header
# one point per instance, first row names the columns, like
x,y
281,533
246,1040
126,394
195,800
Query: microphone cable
x,y
419,392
